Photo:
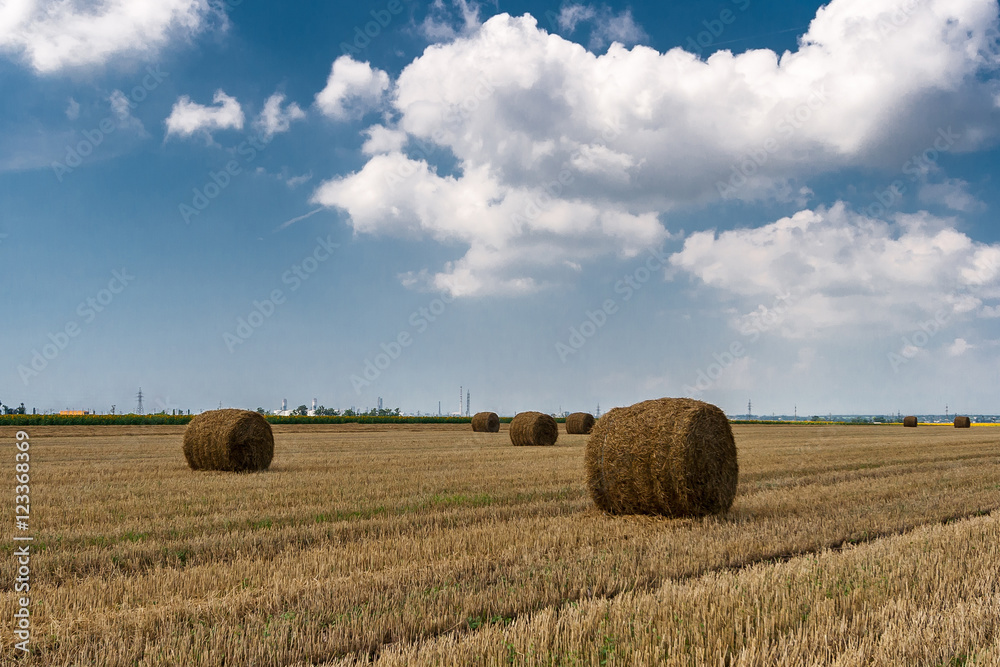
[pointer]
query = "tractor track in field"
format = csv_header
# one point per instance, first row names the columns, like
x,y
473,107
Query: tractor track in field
x,y
371,656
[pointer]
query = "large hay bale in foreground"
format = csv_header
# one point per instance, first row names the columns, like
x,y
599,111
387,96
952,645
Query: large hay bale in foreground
x,y
533,428
579,423
910,421
670,456
237,440
963,422
486,422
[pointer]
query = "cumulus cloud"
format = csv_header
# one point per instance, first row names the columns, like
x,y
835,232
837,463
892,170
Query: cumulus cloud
x,y
511,231
73,109
383,140
530,119
275,120
50,35
187,117
841,269
351,89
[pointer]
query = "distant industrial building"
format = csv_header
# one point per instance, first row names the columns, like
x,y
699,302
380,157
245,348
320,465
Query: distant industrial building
x,y
285,412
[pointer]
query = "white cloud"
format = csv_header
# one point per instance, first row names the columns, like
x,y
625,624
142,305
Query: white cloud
x,y
842,269
959,347
608,27
510,231
188,118
351,89
383,140
275,120
445,22
635,133
51,35
73,109
572,14
953,193
295,181
122,108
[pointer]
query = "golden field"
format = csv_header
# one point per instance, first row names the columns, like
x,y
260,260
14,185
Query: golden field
x,y
430,544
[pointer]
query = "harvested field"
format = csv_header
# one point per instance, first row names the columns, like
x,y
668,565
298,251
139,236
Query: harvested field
x,y
431,544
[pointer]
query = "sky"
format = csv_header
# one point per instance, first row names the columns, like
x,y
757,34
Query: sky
x,y
556,206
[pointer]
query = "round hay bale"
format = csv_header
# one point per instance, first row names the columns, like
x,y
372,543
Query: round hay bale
x,y
579,423
669,456
963,422
910,421
236,440
533,428
486,422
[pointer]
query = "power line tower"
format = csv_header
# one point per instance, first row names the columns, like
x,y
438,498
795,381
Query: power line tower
x,y
749,410
138,407
467,393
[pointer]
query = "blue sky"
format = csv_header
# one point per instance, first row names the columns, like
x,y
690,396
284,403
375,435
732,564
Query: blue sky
x,y
554,205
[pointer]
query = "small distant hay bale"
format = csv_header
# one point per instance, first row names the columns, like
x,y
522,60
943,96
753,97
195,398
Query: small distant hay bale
x,y
533,428
963,422
235,440
486,422
579,423
910,421
669,456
